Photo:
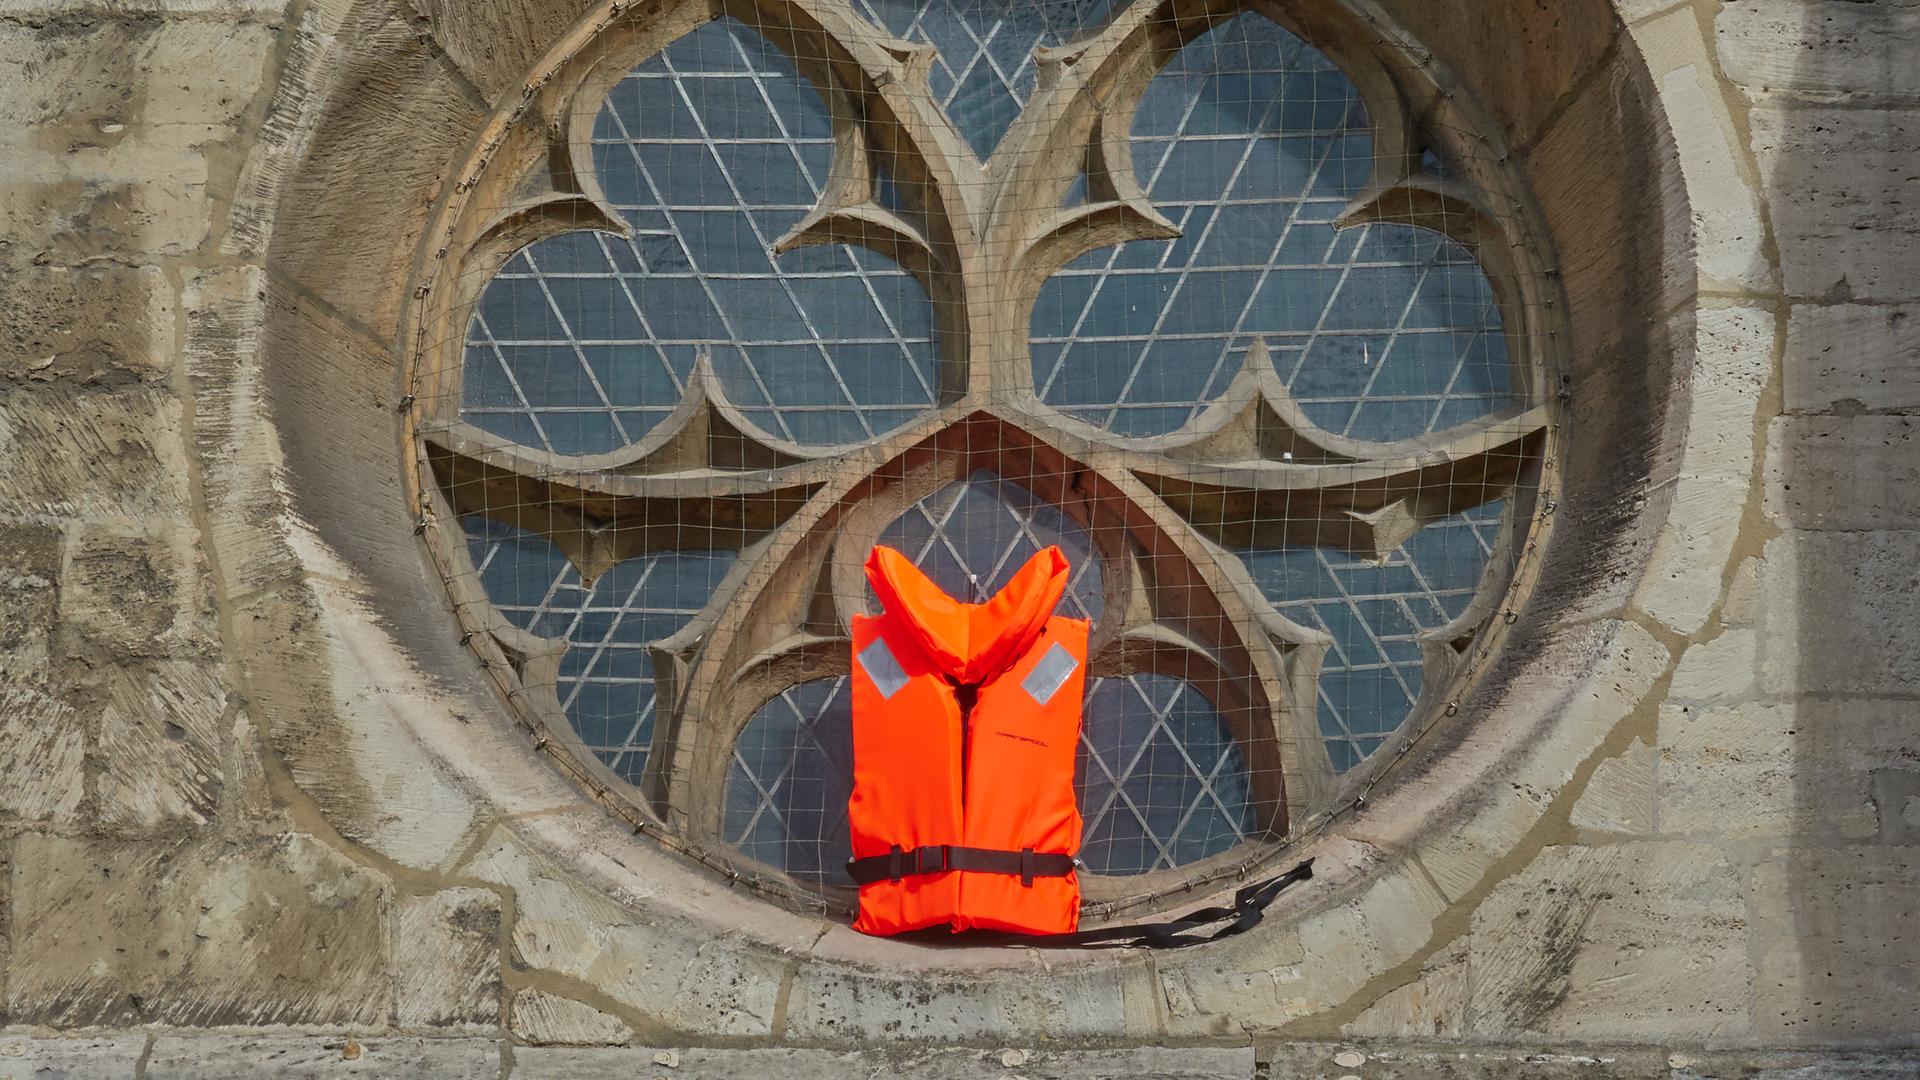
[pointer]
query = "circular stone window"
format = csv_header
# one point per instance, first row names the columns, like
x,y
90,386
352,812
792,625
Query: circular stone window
x,y
1231,301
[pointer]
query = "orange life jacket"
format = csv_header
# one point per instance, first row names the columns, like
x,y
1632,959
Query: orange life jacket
x,y
966,719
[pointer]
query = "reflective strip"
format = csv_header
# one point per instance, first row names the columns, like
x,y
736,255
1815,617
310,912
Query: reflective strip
x,y
882,668
1050,674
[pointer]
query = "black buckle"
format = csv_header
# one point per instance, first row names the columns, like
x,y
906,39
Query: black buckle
x,y
895,871
1026,867
921,855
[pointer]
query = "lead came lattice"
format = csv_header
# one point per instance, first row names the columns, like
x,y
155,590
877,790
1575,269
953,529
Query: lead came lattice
x,y
1159,282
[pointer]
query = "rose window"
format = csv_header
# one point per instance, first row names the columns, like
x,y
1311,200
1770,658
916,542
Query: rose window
x,y
1252,328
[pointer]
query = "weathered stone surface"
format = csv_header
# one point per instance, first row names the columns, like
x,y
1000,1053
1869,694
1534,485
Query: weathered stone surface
x,y
142,932
246,1056
240,454
90,451
1623,245
103,1056
1833,608
1732,366
496,42
875,1006
1724,669
98,324
43,745
109,125
1433,1006
545,1019
401,121
1853,358
1620,797
1722,189
134,590
1736,771
1636,941
29,594
1840,189
1627,662
1834,946
1844,472
446,960
1190,1063
718,986
161,739
1820,47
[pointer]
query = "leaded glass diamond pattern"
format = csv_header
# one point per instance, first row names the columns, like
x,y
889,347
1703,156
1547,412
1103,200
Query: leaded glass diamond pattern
x,y
973,535
605,684
792,773
1375,612
1252,142
984,71
712,150
1160,780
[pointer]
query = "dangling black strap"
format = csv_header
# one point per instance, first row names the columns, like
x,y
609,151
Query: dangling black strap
x,y
1248,908
940,858
1249,905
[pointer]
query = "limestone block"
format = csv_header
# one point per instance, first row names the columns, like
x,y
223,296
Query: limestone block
x,y
919,1063
245,1056
1742,603
1844,472
1820,47
1850,358
1732,366
1262,977
1833,936
1623,244
1627,662
1639,941
1722,191
103,1056
29,595
286,932
1836,611
133,589
446,960
1724,669
1737,771
1620,797
238,448
840,1003
91,451
161,745
496,42
43,745
720,985
100,324
1525,57
1433,1006
399,117
109,128
1839,184
545,1019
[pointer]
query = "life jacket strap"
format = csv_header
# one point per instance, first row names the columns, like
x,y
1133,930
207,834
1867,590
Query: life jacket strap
x,y
1025,864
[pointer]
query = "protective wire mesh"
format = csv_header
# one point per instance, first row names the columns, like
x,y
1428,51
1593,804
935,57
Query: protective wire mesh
x,y
1289,430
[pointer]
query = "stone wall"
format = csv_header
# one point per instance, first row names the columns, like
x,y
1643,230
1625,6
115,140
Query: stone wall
x,y
1717,851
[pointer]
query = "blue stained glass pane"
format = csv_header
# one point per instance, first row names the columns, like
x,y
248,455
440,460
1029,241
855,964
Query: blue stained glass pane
x,y
1160,780
785,802
1375,612
984,72
1253,143
713,150
605,684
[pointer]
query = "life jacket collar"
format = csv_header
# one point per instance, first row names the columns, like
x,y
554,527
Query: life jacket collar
x,y
969,643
